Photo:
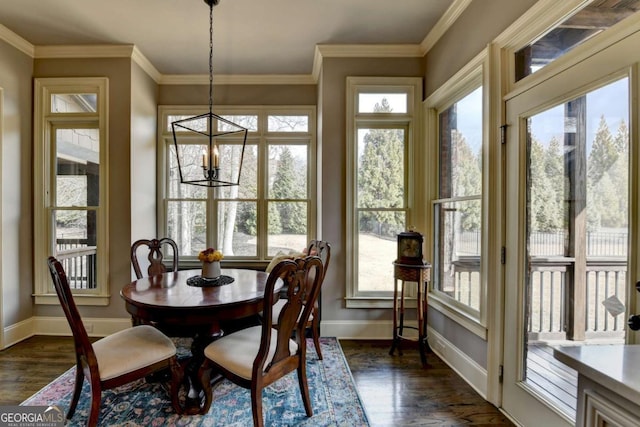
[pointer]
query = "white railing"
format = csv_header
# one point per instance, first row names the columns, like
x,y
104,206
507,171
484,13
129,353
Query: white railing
x,y
79,262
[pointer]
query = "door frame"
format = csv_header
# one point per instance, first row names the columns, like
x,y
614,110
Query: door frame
x,y
607,63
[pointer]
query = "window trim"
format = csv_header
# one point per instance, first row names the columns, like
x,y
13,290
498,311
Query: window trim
x,y
469,78
262,139
412,122
535,22
43,179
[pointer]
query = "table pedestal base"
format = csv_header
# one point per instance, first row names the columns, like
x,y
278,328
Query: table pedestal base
x,y
194,399
411,273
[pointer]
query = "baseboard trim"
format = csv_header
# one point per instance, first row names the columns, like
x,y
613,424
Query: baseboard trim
x,y
474,374
358,329
17,332
58,326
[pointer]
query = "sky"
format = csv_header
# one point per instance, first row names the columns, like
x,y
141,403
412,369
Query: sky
x,y
611,100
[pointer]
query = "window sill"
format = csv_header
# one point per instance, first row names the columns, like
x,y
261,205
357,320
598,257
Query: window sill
x,y
95,300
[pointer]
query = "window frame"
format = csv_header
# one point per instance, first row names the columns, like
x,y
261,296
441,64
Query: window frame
x,y
472,76
411,122
45,123
262,138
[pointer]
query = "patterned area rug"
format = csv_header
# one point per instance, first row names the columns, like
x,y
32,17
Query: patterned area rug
x,y
333,393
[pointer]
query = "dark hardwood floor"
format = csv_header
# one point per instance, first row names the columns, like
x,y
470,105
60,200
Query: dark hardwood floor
x,y
395,390
31,364
398,391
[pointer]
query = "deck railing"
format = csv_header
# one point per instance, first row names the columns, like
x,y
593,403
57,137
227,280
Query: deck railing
x,y
79,262
547,308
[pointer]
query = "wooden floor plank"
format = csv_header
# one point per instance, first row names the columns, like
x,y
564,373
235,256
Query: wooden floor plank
x,y
395,390
552,378
547,368
398,391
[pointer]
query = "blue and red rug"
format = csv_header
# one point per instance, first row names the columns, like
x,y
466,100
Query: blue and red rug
x,y
333,393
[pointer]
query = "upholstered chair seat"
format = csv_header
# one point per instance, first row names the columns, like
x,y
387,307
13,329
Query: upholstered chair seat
x,y
237,352
131,349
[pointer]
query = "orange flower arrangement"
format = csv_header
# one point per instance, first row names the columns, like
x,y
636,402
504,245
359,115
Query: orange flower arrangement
x,y
210,255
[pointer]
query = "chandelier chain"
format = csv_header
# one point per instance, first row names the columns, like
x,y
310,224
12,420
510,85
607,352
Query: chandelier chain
x,y
211,57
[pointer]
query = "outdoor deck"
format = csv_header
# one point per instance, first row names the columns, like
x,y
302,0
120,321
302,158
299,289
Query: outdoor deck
x,y
552,378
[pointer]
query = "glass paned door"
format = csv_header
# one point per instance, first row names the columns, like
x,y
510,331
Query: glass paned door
x,y
567,231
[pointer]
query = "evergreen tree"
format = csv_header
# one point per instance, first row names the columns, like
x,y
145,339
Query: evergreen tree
x,y
289,184
611,191
557,183
621,140
607,180
603,152
620,173
542,195
467,181
381,177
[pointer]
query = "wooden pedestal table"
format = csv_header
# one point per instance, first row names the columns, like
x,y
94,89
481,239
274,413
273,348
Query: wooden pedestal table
x,y
169,300
419,273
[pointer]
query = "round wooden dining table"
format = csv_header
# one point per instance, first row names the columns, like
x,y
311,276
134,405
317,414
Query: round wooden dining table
x,y
167,300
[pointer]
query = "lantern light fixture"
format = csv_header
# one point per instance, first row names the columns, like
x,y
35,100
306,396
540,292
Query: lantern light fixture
x,y
209,148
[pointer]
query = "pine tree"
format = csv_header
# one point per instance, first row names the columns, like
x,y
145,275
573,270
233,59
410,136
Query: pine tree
x,y
381,177
607,180
288,184
542,194
556,177
603,152
467,181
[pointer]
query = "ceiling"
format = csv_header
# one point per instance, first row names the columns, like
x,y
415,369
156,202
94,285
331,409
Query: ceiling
x,y
250,36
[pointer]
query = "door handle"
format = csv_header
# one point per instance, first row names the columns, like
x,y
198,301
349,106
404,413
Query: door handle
x,y
634,320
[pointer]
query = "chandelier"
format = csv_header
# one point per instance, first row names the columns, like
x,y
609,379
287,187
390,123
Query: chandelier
x,y
209,148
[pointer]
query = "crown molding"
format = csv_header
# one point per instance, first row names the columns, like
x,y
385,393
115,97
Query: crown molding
x,y
145,64
16,41
99,51
84,51
368,50
317,64
444,23
237,79
362,51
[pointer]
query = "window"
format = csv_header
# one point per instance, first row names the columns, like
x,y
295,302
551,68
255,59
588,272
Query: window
x,y
70,186
381,130
570,33
456,130
457,211
270,212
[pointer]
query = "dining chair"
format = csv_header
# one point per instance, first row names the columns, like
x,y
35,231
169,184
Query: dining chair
x,y
155,256
321,249
114,360
257,356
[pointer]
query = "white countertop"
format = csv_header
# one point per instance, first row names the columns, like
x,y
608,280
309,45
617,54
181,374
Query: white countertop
x,y
614,366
